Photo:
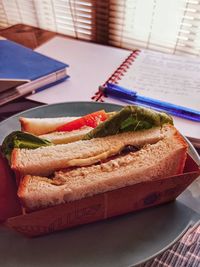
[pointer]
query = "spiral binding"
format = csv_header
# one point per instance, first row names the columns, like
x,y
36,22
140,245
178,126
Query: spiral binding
x,y
117,75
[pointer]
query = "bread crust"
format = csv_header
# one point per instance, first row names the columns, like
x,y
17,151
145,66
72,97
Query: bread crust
x,y
22,187
24,124
14,157
182,141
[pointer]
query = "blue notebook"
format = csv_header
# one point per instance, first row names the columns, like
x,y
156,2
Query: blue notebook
x,y
23,71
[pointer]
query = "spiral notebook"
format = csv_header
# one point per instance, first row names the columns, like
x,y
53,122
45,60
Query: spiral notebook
x,y
170,78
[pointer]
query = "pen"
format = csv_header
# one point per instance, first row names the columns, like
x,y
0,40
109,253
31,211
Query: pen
x,y
126,94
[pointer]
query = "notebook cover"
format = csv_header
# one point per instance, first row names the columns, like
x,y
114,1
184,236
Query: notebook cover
x,y
19,62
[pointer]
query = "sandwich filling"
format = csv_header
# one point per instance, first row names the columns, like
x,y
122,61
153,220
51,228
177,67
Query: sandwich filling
x,y
46,160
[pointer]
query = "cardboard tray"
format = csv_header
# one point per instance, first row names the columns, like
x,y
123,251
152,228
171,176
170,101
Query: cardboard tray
x,y
91,209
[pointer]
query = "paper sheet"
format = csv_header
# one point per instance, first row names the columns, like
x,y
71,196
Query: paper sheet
x,y
89,66
174,79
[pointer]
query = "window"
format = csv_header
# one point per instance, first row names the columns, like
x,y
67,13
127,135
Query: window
x,y
172,26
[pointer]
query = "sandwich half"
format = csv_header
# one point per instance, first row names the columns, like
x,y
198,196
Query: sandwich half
x,y
85,168
46,160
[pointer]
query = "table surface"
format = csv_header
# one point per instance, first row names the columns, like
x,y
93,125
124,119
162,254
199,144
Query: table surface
x,y
32,37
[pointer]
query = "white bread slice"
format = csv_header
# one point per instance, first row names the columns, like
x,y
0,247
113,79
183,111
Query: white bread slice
x,y
39,126
46,160
66,137
160,160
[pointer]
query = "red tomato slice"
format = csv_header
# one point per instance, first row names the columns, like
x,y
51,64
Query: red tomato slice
x,y
91,120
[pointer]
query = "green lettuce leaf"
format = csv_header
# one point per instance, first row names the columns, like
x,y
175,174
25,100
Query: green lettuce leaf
x,y
130,118
18,139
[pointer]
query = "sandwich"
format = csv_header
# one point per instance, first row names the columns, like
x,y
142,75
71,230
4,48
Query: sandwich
x,y
131,146
55,129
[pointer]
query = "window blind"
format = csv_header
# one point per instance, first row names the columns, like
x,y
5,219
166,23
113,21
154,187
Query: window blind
x,y
171,26
73,18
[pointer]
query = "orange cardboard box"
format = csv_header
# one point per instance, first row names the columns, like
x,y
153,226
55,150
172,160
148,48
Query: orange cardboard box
x,y
91,209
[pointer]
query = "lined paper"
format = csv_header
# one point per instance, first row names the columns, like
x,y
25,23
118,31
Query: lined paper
x,y
170,78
